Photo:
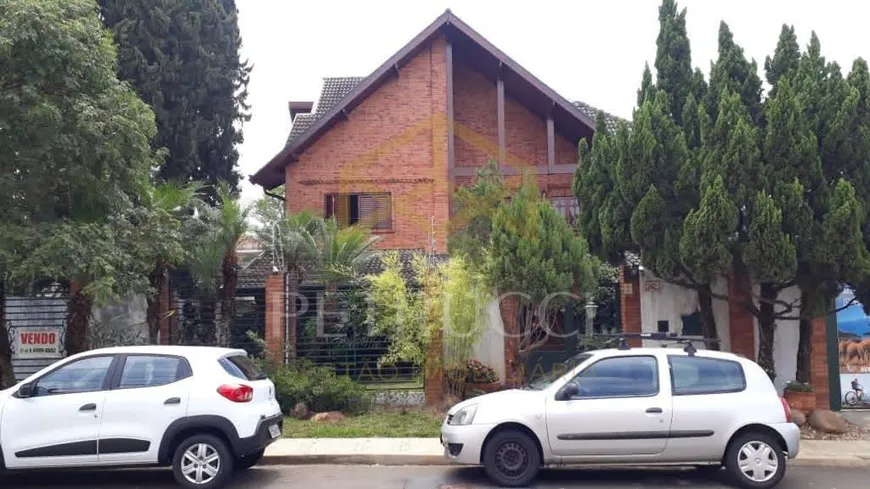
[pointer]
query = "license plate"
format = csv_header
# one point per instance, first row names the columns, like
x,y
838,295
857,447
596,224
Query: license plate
x,y
274,431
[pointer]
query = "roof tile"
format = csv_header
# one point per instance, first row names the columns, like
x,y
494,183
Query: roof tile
x,y
333,90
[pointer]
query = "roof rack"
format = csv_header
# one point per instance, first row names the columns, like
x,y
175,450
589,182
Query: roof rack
x,y
672,337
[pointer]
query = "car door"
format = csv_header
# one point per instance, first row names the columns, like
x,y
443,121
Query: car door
x,y
621,410
58,425
149,393
709,401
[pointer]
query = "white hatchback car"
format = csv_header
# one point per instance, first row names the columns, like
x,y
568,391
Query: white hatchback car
x,y
641,406
204,411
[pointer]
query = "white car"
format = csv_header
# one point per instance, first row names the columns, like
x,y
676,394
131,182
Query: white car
x,y
640,406
204,411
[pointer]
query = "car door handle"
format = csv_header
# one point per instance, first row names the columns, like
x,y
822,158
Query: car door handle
x,y
172,400
654,411
88,407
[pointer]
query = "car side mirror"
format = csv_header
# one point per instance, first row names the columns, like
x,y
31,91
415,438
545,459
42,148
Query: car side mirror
x,y
568,391
26,390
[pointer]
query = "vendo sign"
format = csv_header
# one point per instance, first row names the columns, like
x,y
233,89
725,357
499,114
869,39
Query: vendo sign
x,y
36,342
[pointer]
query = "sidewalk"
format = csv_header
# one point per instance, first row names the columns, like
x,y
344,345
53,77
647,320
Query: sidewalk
x,y
427,451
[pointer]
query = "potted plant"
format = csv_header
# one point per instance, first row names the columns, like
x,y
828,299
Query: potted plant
x,y
480,377
800,396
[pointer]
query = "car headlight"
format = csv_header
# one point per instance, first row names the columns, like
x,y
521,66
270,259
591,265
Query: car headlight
x,y
464,416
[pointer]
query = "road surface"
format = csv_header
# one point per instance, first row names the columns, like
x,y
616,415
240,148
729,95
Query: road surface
x,y
363,477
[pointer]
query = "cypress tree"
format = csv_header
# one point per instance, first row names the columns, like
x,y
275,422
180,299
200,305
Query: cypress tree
x,y
182,57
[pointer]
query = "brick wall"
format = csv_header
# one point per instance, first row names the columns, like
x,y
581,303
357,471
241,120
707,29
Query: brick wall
x,y
394,141
819,365
629,304
741,322
275,337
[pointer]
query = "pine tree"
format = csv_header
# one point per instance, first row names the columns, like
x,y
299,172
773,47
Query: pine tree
x,y
182,57
674,58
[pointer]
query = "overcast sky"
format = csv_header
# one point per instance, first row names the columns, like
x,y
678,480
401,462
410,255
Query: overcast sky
x,y
586,50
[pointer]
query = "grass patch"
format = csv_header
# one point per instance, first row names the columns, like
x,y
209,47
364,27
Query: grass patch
x,y
411,423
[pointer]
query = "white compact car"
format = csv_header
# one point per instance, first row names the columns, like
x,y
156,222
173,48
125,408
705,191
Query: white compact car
x,y
640,406
203,411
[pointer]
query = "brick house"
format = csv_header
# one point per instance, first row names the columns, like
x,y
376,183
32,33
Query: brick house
x,y
387,150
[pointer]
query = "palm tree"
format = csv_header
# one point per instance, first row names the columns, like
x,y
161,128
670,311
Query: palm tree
x,y
214,255
294,239
168,204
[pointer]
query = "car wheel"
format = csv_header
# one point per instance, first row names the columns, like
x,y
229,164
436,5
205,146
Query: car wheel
x,y
202,461
755,461
511,459
248,461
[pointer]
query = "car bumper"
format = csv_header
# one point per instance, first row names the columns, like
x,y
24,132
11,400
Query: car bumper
x,y
792,436
262,436
463,444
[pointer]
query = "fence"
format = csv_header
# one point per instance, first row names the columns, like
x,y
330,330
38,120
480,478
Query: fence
x,y
36,327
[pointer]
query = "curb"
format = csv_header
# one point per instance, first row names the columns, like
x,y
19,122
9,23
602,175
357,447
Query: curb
x,y
373,459
847,461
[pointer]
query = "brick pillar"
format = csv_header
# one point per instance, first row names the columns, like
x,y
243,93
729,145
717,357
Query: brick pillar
x,y
433,381
164,308
740,321
819,364
275,321
629,304
509,309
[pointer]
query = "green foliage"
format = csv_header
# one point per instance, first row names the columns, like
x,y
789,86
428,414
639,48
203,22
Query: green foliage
x,y
673,58
344,250
471,225
397,312
705,247
183,59
769,252
320,389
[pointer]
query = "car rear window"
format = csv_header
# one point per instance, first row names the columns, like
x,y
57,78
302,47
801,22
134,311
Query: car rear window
x,y
241,367
700,375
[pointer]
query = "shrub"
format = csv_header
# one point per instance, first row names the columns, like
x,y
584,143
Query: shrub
x,y
478,373
320,389
795,386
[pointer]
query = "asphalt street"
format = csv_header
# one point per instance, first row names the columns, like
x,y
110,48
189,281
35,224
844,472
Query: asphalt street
x,y
365,477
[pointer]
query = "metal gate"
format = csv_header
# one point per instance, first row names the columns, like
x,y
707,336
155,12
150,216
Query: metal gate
x,y
331,331
36,327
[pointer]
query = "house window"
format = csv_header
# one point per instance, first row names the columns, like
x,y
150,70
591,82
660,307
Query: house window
x,y
567,207
374,210
692,324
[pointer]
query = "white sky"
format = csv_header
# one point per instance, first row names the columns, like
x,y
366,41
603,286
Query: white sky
x,y
589,50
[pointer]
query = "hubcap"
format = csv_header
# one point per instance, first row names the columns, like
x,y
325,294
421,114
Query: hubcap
x,y
511,459
757,461
201,463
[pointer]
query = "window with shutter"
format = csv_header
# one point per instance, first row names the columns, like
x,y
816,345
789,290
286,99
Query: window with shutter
x,y
384,211
367,210
374,211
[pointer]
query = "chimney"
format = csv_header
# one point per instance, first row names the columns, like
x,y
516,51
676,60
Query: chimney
x,y
297,108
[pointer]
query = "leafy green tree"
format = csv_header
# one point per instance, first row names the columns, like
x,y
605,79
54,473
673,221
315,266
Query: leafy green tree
x,y
77,152
182,57
471,225
536,256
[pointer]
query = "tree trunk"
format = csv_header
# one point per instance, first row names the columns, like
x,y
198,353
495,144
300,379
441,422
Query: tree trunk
x,y
802,373
230,273
78,320
292,319
708,319
766,329
156,279
7,375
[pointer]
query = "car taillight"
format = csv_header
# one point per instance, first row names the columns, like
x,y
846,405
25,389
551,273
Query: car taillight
x,y
237,392
787,409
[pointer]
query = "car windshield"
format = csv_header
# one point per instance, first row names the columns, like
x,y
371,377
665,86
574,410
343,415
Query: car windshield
x,y
559,369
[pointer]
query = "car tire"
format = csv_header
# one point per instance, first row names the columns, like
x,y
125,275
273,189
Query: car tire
x,y
248,461
755,461
210,459
511,459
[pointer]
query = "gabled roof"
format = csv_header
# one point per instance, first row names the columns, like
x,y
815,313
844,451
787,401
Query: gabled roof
x,y
489,60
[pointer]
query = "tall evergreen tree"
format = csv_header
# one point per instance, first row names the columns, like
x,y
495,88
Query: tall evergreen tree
x,y
182,57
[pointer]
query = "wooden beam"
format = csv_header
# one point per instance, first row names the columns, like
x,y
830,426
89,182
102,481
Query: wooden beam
x,y
551,142
471,171
451,149
502,137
